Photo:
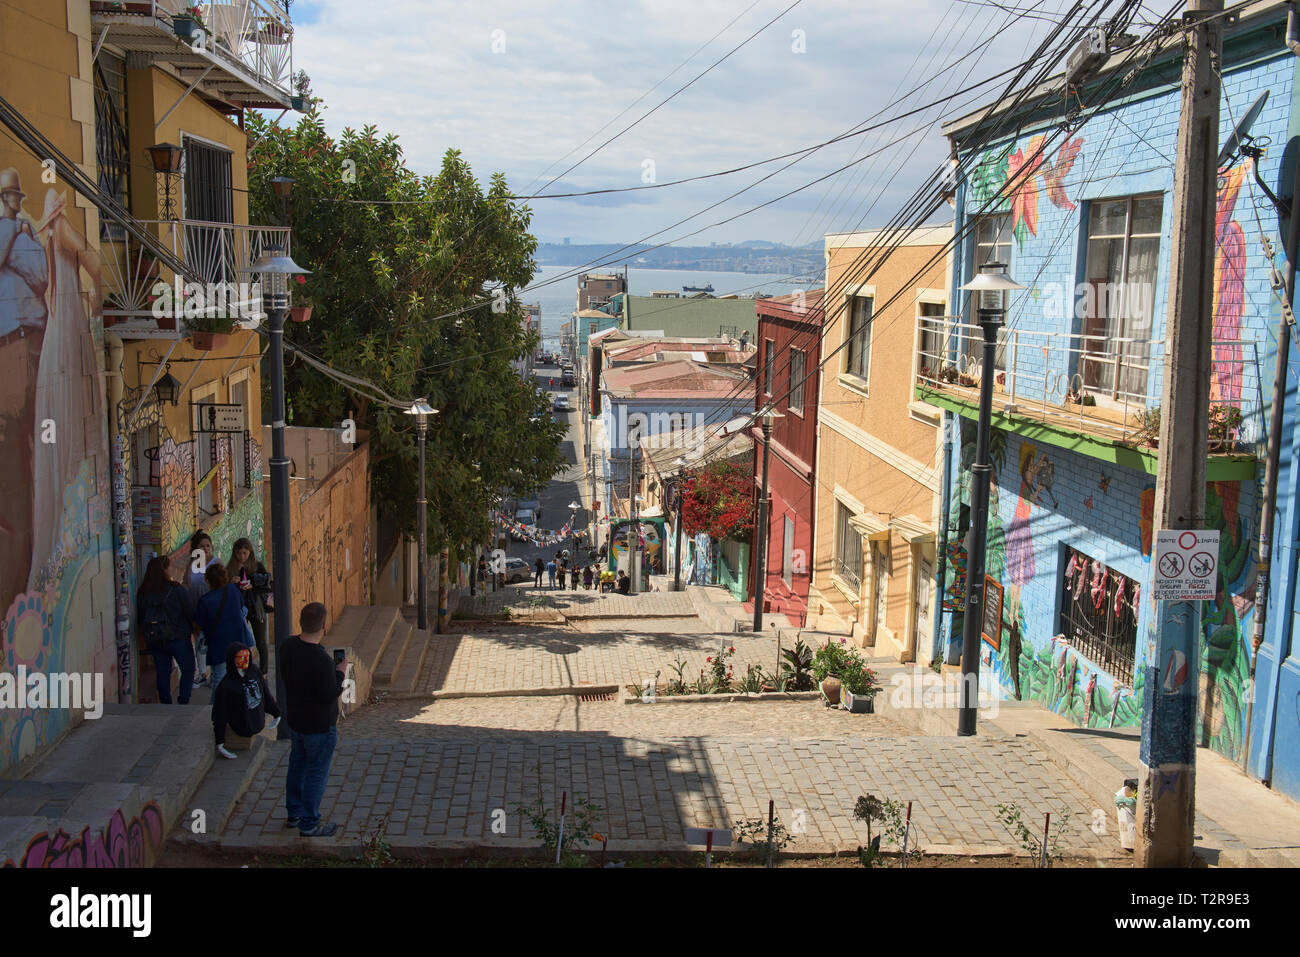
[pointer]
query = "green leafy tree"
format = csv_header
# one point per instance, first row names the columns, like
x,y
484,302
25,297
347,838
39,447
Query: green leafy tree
x,y
391,254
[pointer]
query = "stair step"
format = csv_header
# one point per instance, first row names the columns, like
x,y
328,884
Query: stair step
x,y
406,675
392,659
367,630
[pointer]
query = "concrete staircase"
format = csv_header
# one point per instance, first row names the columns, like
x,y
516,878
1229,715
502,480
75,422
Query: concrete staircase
x,y
110,791
386,649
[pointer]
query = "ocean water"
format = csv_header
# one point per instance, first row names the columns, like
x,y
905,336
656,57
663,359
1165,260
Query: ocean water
x,y
559,298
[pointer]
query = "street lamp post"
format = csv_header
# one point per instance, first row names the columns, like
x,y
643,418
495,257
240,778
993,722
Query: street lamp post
x,y
276,268
992,285
421,409
573,537
764,506
680,463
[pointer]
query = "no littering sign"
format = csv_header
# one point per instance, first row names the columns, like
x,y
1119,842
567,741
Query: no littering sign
x,y
1186,564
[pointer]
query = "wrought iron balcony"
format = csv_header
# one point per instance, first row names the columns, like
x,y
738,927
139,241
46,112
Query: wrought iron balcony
x,y
240,52
217,254
1107,388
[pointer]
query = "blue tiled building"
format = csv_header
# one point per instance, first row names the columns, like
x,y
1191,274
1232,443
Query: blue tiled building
x,y
1078,381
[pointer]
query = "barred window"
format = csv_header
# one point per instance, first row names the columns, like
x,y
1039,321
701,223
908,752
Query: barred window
x,y
848,547
112,149
1099,609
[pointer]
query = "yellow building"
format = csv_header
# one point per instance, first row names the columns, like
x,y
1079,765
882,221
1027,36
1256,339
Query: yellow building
x,y
122,430
878,450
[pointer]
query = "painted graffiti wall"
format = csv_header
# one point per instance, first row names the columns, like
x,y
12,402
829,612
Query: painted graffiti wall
x,y
56,565
331,538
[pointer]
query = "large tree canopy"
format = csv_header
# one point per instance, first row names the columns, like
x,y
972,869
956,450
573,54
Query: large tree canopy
x,y
391,253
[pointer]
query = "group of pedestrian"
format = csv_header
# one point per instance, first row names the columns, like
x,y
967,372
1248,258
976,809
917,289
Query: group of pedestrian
x,y
222,609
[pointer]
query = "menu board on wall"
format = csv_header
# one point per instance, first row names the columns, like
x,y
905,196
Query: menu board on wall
x,y
991,626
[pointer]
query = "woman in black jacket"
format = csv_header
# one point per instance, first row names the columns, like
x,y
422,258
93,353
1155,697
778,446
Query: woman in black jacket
x,y
249,574
164,617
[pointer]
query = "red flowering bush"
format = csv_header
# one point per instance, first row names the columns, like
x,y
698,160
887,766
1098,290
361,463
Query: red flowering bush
x,y
719,500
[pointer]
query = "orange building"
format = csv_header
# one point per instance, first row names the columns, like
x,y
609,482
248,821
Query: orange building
x,y
878,468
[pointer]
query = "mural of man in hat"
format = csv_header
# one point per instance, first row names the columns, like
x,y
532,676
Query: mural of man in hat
x,y
24,278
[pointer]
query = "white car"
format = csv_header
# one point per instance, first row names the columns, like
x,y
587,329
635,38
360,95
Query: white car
x,y
561,403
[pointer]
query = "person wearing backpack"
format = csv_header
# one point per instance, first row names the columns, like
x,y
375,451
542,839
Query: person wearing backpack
x,y
220,614
164,616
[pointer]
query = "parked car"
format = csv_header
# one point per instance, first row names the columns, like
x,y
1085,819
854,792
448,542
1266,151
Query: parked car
x,y
532,503
526,517
567,378
561,403
518,570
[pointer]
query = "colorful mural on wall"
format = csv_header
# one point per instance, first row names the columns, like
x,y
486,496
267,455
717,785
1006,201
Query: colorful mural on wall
x,y
1229,291
56,569
121,843
1022,170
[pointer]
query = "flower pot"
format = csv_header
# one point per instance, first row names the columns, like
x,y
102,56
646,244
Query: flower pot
x,y
300,313
857,703
830,689
166,322
299,103
207,341
184,26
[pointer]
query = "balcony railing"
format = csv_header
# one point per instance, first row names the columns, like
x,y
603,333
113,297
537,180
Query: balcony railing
x,y
249,42
1109,387
219,254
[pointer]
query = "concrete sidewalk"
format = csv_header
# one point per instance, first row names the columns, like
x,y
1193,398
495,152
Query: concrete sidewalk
x,y
1239,822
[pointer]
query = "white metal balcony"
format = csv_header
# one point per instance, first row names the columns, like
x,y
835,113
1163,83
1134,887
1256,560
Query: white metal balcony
x,y
1105,387
244,56
219,254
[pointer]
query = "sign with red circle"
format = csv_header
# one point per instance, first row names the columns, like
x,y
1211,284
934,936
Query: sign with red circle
x,y
1185,565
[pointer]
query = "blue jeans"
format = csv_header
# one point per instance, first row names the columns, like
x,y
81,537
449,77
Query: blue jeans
x,y
218,672
310,757
182,651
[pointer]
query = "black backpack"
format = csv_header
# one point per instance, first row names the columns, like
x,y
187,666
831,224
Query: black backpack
x,y
153,624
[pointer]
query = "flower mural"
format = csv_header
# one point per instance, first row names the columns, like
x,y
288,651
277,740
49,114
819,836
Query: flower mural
x,y
1229,290
1010,181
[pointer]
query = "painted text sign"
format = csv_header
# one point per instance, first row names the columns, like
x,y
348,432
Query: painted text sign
x,y
1186,564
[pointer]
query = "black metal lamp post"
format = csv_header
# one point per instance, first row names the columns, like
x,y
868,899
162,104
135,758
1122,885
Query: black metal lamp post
x,y
680,463
764,506
573,535
992,285
275,268
421,409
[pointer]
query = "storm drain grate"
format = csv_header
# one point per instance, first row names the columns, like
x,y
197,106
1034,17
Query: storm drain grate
x,y
597,696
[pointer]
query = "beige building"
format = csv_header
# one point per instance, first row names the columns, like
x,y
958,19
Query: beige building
x,y
879,458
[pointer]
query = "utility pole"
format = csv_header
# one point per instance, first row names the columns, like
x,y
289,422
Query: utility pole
x,y
1167,791
764,506
634,529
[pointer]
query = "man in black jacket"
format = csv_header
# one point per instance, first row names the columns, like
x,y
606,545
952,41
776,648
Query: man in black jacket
x,y
241,702
313,683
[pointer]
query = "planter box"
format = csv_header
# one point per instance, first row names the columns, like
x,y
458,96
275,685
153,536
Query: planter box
x,y
630,698
300,313
207,341
184,27
857,703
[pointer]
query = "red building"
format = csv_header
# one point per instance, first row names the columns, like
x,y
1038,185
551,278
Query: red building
x,y
789,351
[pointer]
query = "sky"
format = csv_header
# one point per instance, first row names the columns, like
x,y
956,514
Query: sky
x,y
517,87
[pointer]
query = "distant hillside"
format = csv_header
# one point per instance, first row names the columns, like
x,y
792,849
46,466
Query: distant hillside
x,y
755,256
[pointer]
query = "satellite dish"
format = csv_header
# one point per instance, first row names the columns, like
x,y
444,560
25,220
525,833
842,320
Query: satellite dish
x,y
1286,186
1241,131
738,424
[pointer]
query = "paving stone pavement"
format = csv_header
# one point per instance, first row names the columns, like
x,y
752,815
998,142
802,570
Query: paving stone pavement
x,y
579,603
444,790
514,658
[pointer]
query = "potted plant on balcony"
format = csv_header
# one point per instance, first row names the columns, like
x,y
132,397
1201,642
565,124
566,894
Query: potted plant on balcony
x,y
301,99
209,332
300,311
1148,426
1225,426
188,22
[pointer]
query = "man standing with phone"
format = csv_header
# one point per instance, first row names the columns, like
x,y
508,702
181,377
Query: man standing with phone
x,y
313,683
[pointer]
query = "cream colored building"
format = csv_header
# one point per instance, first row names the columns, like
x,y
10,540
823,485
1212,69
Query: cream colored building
x,y
879,458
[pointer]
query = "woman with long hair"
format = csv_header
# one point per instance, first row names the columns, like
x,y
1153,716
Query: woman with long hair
x,y
250,575
164,616
220,613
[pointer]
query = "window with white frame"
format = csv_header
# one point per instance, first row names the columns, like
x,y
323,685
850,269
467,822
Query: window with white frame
x,y
929,340
796,380
993,235
241,476
848,547
857,357
1123,248
769,361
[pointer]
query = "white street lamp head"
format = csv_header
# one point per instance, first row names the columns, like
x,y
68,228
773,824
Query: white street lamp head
x,y
992,284
421,407
278,267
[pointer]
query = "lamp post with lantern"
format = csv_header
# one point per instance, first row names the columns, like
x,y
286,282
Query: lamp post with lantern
x,y
991,286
